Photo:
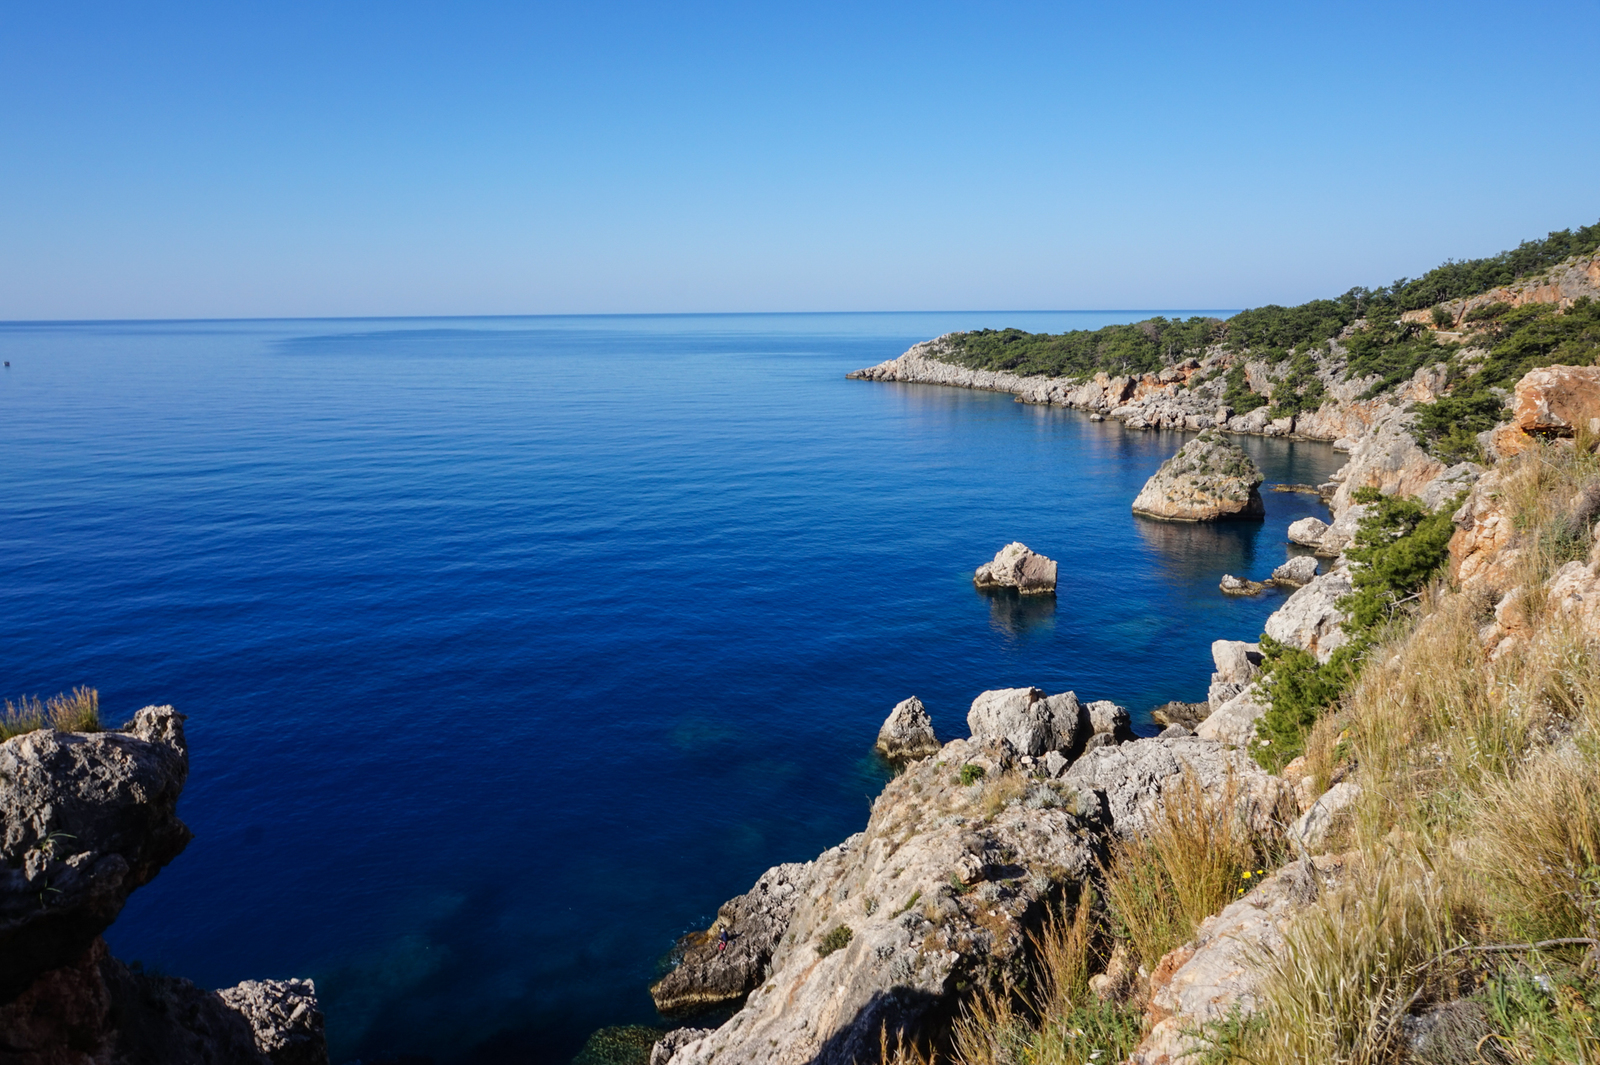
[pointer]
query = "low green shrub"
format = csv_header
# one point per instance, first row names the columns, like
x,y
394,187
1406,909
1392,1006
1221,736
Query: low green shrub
x,y
971,774
837,939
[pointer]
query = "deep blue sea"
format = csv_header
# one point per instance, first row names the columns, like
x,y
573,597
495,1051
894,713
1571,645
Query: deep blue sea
x,y
513,647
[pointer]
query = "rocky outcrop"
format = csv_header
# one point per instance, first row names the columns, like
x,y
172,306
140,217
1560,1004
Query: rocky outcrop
x,y
1014,566
1231,585
940,891
1131,780
907,733
1029,720
1233,723
1218,973
1551,403
1310,619
1307,532
713,971
88,818
1238,663
1208,479
1310,831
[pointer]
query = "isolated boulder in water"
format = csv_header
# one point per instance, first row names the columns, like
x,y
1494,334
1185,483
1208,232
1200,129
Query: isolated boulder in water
x,y
1017,567
1307,532
1209,479
907,733
1296,572
1031,721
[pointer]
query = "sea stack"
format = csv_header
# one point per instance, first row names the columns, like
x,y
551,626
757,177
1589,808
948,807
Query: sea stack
x,y
1209,479
907,733
1017,567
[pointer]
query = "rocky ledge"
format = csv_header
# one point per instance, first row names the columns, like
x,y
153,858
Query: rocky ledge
x,y
87,818
1209,479
1015,566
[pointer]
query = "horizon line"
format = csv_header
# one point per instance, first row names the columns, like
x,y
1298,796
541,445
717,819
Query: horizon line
x,y
596,314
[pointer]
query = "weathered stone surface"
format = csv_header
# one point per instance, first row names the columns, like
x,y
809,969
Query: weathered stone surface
x,y
1184,715
913,939
1030,720
1234,722
87,818
1219,971
907,733
674,1041
1388,457
283,1018
711,974
98,1010
1310,830
1133,778
1310,619
1307,532
1102,717
1296,572
1231,585
1445,488
1551,402
1208,479
1483,549
1015,566
1237,662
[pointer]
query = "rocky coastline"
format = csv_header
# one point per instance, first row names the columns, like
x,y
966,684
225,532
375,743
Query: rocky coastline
x,y
89,817
880,939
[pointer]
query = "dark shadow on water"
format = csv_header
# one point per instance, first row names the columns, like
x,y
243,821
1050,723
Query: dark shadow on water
x,y
1196,551
1015,615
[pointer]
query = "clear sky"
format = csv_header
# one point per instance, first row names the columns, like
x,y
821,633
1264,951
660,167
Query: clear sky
x,y
264,159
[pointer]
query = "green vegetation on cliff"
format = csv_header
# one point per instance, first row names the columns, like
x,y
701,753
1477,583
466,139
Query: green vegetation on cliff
x,y
1362,320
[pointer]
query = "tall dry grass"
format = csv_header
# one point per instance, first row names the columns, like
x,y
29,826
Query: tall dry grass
x,y
77,712
1189,863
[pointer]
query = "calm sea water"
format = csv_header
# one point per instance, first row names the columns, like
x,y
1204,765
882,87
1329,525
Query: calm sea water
x,y
512,647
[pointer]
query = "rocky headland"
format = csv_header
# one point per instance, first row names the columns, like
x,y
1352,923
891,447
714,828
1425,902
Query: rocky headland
x,y
88,818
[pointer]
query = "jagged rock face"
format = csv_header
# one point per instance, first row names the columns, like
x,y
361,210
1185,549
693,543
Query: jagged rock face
x,y
1552,402
98,1010
1029,720
1015,566
713,973
1208,479
87,818
1388,458
1310,619
1233,721
941,889
907,733
1482,549
1131,780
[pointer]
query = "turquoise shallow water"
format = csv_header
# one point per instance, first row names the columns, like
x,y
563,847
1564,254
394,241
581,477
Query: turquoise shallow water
x,y
512,647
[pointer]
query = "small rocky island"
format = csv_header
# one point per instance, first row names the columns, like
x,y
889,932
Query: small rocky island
x,y
1209,479
1014,566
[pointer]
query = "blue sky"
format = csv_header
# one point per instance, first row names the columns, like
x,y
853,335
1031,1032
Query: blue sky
x,y
253,159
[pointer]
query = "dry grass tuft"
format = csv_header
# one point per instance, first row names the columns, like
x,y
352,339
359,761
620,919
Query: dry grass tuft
x,y
1187,866
78,712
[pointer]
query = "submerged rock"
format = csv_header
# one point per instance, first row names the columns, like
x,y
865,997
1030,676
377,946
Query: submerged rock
x,y
907,733
1015,566
1209,479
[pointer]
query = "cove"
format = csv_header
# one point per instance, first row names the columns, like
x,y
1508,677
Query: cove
x,y
512,647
